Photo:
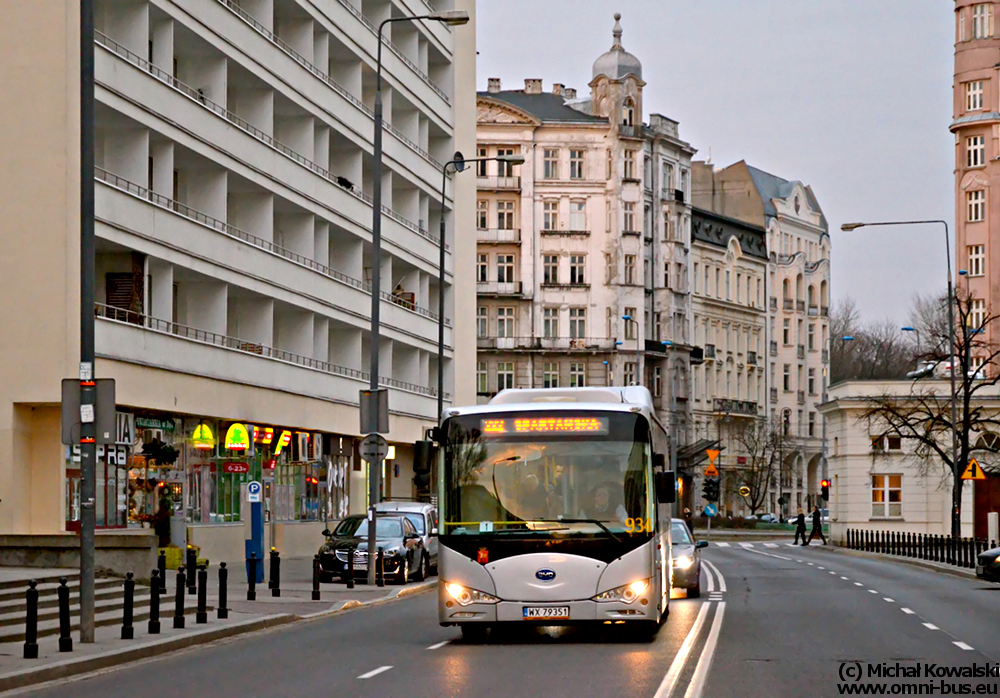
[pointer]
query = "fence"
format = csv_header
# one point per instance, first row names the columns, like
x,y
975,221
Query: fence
x,y
960,552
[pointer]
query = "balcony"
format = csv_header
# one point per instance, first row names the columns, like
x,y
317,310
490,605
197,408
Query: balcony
x,y
709,351
679,196
800,397
498,288
564,233
800,351
774,395
566,344
496,236
751,358
633,233
800,306
737,407
813,311
566,287
788,304
630,131
774,303
499,183
774,348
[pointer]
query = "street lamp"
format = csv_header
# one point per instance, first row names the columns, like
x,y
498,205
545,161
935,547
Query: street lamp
x,y
453,18
457,164
638,356
847,227
916,332
608,373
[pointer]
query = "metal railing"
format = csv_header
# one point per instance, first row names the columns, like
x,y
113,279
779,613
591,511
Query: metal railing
x,y
497,182
800,306
498,235
330,82
111,313
547,343
801,397
788,303
630,131
503,288
813,311
140,192
774,348
565,233
774,394
800,351
959,552
774,303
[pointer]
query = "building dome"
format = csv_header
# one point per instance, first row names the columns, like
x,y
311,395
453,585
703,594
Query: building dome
x,y
617,63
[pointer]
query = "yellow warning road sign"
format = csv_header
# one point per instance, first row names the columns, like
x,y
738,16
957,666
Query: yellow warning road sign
x,y
712,454
973,471
711,471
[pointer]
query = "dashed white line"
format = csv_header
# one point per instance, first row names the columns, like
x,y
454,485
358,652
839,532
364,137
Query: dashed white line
x,y
858,584
770,545
906,611
811,564
872,591
375,672
962,646
722,544
439,645
798,560
888,600
931,626
832,572
845,579
746,545
821,567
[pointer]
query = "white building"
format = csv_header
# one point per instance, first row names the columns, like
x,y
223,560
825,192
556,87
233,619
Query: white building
x,y
234,156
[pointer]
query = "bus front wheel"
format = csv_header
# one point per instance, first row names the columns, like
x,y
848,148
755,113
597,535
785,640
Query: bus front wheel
x,y
474,633
646,630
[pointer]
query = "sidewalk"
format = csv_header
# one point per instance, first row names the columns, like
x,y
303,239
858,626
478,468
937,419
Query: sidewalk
x,y
267,611
944,568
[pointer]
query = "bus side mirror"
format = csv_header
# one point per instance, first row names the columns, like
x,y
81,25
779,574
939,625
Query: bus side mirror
x,y
659,461
666,487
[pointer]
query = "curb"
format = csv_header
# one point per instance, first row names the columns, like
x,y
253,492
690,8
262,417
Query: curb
x,y
923,564
351,605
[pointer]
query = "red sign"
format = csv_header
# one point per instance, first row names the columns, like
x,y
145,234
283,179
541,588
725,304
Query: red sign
x,y
236,467
270,463
741,460
482,556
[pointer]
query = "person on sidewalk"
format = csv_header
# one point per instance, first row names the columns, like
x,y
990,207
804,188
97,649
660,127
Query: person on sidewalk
x,y
817,527
800,528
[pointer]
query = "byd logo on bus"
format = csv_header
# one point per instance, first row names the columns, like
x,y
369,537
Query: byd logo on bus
x,y
545,574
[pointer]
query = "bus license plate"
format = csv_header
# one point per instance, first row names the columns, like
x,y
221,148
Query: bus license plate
x,y
546,612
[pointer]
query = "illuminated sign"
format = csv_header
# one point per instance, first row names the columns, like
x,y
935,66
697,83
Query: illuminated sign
x,y
237,438
284,440
203,439
391,454
270,463
545,425
236,467
263,435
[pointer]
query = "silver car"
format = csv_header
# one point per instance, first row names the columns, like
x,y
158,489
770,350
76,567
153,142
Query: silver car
x,y
687,558
424,517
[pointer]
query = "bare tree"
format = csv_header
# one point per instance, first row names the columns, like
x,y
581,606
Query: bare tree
x,y
764,442
874,350
929,319
923,417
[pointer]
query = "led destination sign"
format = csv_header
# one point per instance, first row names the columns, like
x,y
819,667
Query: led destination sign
x,y
545,425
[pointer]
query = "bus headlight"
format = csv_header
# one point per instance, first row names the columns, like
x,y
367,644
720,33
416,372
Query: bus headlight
x,y
683,562
626,593
466,596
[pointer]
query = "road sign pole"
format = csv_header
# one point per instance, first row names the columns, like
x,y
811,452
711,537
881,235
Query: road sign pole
x,y
374,449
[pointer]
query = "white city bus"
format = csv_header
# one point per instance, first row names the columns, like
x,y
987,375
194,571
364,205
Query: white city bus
x,y
555,509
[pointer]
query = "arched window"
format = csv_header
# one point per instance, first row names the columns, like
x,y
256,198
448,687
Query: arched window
x,y
812,295
786,290
628,113
823,292
988,441
798,288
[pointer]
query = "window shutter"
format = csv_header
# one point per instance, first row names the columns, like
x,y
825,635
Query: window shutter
x,y
119,289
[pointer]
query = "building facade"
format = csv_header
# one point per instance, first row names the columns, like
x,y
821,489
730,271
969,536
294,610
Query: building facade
x,y
233,203
582,262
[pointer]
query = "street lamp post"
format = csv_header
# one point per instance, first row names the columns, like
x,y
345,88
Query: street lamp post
x,y
915,331
638,355
847,227
451,17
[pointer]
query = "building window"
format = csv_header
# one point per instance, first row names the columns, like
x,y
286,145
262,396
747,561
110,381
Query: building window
x,y
550,164
657,381
668,180
977,260
505,375
482,215
729,296
786,332
577,373
576,265
630,325
550,215
812,422
505,268
505,169
977,314
982,21
629,171
812,336
974,95
577,323
505,215
482,268
576,170
550,322
482,378
481,165
550,269
666,275
668,232
482,318
629,269
812,381
629,210
505,322
578,215
887,496
975,151
786,378
630,373
550,375
976,205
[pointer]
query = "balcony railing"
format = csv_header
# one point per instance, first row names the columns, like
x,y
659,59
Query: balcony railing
x,y
774,348
813,311
630,131
565,233
499,288
801,397
498,235
215,224
113,314
788,303
774,394
800,351
547,343
496,182
774,303
634,233
800,306
250,129
726,406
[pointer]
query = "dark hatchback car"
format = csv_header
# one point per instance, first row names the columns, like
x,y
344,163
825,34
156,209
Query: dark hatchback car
x,y
988,565
401,545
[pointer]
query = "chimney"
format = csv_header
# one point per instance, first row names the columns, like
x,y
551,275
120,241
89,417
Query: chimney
x,y
493,85
557,88
569,92
532,86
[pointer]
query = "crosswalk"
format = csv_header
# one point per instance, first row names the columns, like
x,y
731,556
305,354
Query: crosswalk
x,y
723,544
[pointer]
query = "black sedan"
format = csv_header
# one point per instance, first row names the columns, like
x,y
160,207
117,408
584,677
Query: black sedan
x,y
401,546
988,565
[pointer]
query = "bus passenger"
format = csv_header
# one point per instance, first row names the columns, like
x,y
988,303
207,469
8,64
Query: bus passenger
x,y
601,508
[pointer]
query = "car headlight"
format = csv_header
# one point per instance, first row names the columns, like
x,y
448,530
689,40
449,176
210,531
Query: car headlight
x,y
626,593
683,562
466,596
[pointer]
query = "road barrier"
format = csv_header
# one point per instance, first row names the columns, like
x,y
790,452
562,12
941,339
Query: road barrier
x,y
960,552
315,589
274,576
201,615
222,612
252,578
128,632
379,569
31,622
161,565
65,640
156,586
192,567
179,599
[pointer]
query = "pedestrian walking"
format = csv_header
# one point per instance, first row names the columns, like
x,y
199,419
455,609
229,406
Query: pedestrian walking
x,y
688,520
800,528
817,527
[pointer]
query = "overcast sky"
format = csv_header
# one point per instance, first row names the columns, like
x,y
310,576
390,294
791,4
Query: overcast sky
x,y
852,97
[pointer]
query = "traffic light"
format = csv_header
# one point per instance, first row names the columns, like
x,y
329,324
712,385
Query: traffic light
x,y
422,451
824,490
710,489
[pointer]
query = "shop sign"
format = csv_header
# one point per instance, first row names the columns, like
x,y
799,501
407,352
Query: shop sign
x,y
116,455
263,435
124,428
236,467
284,440
203,439
149,423
270,463
237,437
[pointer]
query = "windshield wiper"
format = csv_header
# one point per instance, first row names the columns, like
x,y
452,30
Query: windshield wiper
x,y
597,523
533,530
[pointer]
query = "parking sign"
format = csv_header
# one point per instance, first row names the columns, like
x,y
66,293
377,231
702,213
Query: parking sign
x,y
254,490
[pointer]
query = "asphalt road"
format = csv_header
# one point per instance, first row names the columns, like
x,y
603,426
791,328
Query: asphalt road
x,y
774,625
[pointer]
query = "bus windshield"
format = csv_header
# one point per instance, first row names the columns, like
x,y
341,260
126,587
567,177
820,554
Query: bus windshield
x,y
529,473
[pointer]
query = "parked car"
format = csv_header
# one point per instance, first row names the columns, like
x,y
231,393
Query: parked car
x,y
687,558
988,565
769,518
402,548
424,517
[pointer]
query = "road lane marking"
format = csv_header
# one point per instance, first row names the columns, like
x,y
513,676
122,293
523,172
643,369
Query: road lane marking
x,y
770,545
931,626
375,672
708,576
872,591
439,645
811,564
746,545
821,567
832,572
906,611
722,545
677,666
722,580
888,600
858,584
962,646
845,579
760,552
798,560
697,685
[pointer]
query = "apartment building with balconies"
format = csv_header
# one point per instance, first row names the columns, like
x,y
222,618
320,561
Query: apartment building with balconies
x,y
233,221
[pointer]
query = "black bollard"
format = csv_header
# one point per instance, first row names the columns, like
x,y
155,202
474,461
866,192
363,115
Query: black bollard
x,y
65,639
179,599
274,577
153,626
379,569
252,578
128,632
222,611
201,615
31,623
350,567
192,566
161,565
315,594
